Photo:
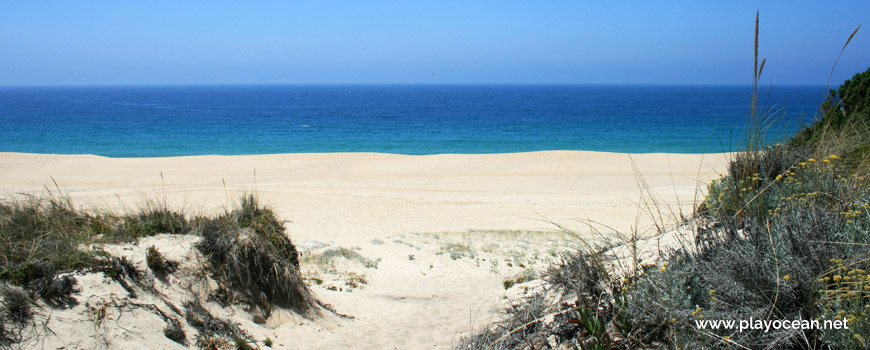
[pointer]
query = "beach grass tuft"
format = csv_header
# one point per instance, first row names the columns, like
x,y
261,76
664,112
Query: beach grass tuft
x,y
248,250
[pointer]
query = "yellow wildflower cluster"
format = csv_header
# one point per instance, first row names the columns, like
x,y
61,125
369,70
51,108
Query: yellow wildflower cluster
x,y
855,211
791,172
697,313
850,215
796,199
846,290
664,267
746,185
799,198
775,212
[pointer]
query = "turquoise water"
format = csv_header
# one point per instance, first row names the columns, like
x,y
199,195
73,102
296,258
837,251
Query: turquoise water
x,y
406,119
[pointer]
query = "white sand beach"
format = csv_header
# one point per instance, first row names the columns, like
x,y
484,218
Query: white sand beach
x,y
400,211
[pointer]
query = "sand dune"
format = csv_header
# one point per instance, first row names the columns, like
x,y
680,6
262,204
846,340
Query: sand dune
x,y
401,211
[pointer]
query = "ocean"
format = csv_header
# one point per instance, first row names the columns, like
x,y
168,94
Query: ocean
x,y
159,121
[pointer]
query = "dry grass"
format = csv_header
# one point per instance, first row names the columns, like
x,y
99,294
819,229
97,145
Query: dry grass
x,y
520,248
338,269
248,250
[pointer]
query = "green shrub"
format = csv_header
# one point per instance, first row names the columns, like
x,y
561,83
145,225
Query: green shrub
x,y
844,128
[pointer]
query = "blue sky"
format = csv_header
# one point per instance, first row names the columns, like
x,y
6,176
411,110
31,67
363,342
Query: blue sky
x,y
269,42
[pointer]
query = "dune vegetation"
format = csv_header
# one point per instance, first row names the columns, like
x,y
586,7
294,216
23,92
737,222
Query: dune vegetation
x,y
783,235
246,251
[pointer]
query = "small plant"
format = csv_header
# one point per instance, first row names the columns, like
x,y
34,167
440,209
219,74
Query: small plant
x,y
17,305
268,342
157,262
527,275
242,344
456,251
175,331
328,258
597,337
355,280
508,283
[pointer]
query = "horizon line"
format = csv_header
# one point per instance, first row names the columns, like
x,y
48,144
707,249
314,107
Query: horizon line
x,y
5,86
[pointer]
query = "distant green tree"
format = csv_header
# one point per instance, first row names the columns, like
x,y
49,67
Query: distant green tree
x,y
848,106
854,94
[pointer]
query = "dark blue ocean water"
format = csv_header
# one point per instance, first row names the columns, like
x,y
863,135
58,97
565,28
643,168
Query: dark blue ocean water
x,y
407,119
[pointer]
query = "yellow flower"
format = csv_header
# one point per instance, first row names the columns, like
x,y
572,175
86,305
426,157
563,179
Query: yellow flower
x,y
726,337
834,156
826,161
837,278
811,160
786,277
712,291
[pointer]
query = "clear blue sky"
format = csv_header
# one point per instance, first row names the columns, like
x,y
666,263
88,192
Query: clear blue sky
x,y
223,42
